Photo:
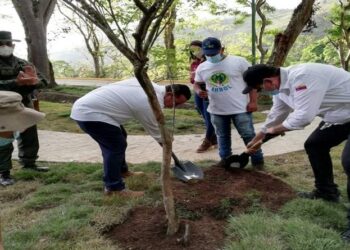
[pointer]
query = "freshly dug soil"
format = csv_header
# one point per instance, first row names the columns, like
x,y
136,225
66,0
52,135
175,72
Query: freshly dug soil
x,y
204,207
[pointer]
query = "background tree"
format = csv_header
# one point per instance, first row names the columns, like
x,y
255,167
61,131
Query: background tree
x,y
107,15
35,16
169,41
92,39
339,34
285,40
262,8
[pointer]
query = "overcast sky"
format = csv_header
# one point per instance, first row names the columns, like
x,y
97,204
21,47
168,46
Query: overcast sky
x,y
13,23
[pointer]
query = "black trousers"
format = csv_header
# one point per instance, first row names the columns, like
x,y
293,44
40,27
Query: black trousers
x,y
318,147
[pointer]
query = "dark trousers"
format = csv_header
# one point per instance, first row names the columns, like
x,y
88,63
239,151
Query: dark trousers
x,y
112,141
28,147
318,147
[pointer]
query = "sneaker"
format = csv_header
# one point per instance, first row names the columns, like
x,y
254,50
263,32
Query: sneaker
x,y
315,194
259,165
346,235
6,179
131,173
35,167
204,146
124,193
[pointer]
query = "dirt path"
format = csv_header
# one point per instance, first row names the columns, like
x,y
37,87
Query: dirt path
x,y
68,147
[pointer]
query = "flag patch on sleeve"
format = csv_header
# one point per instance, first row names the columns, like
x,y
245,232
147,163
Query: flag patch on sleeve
x,y
300,87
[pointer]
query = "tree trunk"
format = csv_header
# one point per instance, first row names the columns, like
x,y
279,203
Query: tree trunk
x,y
284,41
168,197
97,66
169,41
1,243
35,16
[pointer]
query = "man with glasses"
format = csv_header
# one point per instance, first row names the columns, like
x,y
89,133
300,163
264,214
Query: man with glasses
x,y
102,113
300,93
222,76
19,76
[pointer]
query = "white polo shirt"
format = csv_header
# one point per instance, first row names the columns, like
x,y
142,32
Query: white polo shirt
x,y
310,90
119,102
224,83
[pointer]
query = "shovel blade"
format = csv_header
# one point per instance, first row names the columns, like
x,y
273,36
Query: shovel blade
x,y
187,171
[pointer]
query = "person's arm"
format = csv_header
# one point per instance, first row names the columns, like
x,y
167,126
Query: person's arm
x,y
200,92
253,101
308,92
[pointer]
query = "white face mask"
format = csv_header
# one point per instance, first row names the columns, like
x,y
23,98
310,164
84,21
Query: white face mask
x,y
6,51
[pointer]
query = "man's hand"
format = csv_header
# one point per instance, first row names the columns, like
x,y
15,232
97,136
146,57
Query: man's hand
x,y
202,93
252,107
255,144
252,148
28,77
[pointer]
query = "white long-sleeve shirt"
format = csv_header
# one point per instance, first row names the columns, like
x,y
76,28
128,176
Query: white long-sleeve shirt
x,y
119,102
310,90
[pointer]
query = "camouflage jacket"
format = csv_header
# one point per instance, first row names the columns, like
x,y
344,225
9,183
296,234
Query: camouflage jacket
x,y
9,69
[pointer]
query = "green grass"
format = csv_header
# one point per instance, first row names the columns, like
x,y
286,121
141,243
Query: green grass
x,y
187,121
73,90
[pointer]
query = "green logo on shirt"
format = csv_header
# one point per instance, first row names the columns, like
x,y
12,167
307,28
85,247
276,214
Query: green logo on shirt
x,y
219,82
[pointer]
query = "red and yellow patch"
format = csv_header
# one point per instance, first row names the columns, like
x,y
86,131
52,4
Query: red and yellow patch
x,y
300,87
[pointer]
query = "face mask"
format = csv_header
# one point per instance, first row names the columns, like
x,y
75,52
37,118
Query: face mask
x,y
214,59
271,92
6,141
198,54
6,51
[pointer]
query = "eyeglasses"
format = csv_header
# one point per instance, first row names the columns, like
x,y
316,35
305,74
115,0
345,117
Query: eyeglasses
x,y
8,43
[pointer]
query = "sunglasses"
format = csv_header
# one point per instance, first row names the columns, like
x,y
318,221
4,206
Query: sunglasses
x,y
9,43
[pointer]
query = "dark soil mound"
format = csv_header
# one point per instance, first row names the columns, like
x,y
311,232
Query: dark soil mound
x,y
204,206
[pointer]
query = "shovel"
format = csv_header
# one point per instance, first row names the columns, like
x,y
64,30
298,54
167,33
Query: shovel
x,y
186,171
240,161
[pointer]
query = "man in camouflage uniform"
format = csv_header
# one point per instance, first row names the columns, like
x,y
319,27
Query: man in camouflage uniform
x,y
19,76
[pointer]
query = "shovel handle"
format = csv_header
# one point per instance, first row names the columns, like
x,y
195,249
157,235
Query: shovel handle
x,y
269,136
176,160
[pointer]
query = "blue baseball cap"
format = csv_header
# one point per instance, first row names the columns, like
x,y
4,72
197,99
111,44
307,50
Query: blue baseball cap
x,y
211,46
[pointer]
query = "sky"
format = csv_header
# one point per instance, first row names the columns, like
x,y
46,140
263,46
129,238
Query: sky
x,y
59,45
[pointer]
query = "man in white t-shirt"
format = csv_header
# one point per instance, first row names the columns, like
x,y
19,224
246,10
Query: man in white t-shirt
x,y
224,83
300,93
102,112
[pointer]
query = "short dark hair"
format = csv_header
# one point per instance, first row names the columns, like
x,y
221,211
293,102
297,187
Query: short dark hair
x,y
255,75
179,89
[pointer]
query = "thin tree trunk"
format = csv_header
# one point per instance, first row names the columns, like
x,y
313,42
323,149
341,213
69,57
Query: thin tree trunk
x,y
168,197
169,41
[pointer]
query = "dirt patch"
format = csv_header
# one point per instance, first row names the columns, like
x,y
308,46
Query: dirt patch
x,y
204,206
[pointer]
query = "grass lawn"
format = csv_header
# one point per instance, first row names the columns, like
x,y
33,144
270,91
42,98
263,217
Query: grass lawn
x,y
65,209
187,121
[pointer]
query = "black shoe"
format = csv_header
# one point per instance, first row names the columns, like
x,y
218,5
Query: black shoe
x,y
35,167
315,194
6,179
346,235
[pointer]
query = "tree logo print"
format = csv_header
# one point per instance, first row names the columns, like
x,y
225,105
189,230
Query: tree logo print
x,y
219,79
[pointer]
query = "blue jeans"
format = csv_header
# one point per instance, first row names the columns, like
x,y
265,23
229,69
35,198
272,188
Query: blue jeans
x,y
244,125
112,141
202,105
